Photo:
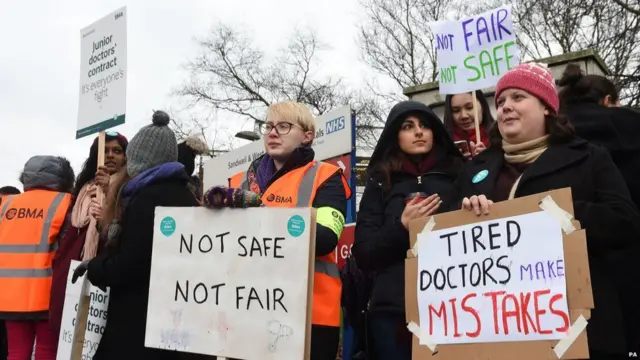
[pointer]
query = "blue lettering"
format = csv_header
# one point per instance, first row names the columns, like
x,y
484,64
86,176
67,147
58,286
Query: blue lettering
x,y
335,125
542,270
498,28
444,42
466,33
502,16
524,270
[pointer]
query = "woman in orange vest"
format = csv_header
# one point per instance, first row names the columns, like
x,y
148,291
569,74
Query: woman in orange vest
x,y
288,176
30,224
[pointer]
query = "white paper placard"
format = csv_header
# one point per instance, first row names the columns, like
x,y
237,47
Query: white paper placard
x,y
474,52
493,281
230,282
103,74
96,319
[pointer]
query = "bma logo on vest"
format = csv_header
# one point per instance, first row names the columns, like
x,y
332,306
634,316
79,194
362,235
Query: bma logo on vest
x,y
23,213
335,125
279,199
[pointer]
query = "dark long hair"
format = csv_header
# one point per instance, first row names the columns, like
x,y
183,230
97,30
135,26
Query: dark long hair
x,y
393,156
580,88
90,166
487,117
113,208
557,127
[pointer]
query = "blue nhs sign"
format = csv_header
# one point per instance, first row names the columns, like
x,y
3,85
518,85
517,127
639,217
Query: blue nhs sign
x,y
335,125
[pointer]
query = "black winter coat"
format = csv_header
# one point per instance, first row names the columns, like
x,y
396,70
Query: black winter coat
x,y
618,130
127,271
381,241
602,205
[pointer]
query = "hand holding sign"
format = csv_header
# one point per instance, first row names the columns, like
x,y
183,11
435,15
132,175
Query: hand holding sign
x,y
479,204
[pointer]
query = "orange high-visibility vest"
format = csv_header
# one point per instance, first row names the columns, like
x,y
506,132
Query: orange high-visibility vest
x,y
29,225
298,188
236,180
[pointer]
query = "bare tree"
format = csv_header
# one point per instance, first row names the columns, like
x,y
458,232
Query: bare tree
x,y
234,75
396,40
548,28
211,131
630,6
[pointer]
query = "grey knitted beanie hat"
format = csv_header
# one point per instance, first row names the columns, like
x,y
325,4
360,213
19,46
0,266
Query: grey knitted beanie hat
x,y
153,145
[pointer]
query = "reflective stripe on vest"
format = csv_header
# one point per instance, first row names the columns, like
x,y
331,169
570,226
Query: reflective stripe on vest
x,y
42,247
327,268
305,190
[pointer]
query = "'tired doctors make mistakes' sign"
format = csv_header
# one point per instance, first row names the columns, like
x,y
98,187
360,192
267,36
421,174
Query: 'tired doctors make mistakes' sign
x,y
334,136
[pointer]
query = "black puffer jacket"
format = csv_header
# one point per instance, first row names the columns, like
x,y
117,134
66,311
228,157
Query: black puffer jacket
x,y
381,241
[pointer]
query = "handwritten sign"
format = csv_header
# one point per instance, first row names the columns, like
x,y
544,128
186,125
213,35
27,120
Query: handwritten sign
x,y
473,53
96,318
223,279
494,281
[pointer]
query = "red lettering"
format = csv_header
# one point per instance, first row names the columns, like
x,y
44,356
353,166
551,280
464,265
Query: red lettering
x,y
474,313
525,298
562,314
506,314
454,313
494,300
540,311
442,313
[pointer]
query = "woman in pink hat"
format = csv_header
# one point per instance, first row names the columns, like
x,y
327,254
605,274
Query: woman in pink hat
x,y
534,150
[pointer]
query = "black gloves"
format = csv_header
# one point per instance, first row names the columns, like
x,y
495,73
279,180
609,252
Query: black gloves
x,y
79,271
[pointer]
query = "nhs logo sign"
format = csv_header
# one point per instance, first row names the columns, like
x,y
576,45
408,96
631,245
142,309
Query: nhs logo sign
x,y
336,124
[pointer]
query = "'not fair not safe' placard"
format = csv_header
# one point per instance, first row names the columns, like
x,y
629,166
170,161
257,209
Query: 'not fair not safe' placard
x,y
474,52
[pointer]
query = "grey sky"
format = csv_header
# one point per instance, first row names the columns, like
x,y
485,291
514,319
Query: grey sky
x,y
39,61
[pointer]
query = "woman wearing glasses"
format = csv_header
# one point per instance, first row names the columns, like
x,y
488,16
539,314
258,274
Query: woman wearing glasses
x,y
288,176
81,239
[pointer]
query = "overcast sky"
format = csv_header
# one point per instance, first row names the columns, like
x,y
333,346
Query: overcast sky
x,y
40,58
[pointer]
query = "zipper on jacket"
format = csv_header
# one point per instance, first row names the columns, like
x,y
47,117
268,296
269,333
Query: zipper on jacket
x,y
420,179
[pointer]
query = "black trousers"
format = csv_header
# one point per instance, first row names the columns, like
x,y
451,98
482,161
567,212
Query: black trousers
x,y
324,342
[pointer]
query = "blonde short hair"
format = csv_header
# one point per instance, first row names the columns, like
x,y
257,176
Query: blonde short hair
x,y
293,112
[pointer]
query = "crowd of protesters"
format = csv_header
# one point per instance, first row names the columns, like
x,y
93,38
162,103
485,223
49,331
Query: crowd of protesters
x,y
540,140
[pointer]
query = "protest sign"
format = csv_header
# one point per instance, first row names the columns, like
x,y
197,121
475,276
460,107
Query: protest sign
x,y
103,74
474,52
224,279
95,317
503,286
484,282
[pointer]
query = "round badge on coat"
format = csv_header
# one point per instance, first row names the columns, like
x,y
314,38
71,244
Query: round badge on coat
x,y
480,176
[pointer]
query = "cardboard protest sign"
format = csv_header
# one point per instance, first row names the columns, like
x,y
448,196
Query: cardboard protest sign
x,y
224,279
513,284
474,52
103,74
73,315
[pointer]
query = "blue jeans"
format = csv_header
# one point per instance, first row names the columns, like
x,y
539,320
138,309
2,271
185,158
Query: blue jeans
x,y
391,338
